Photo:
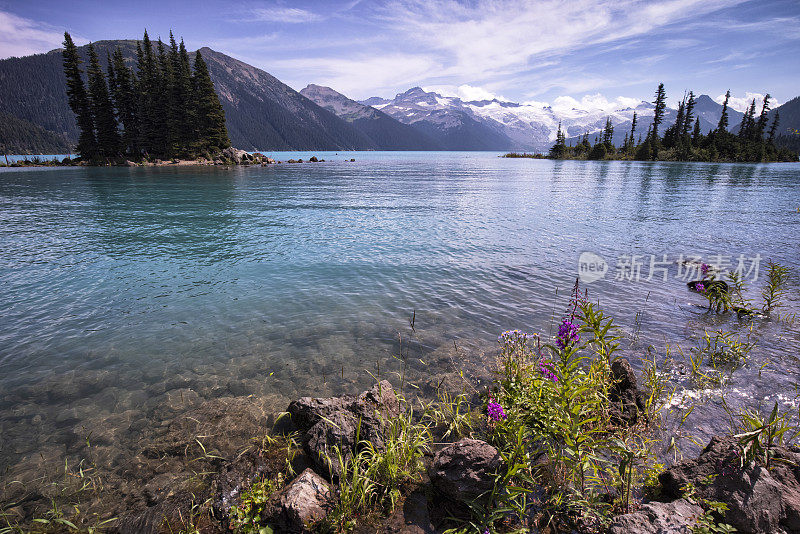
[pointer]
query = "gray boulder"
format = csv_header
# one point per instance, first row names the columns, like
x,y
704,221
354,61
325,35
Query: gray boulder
x,y
626,400
337,430
676,517
759,500
305,412
306,500
463,470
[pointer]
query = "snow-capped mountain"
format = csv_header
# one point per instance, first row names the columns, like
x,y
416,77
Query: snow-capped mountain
x,y
386,132
526,126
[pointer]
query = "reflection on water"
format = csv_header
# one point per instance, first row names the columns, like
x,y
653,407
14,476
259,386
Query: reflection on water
x,y
133,297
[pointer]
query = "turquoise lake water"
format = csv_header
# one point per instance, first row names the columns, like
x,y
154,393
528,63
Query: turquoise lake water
x,y
121,285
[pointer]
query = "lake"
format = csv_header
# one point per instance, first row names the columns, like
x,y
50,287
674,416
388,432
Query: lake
x,y
132,297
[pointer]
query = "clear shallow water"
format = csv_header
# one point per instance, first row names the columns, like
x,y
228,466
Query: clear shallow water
x,y
122,288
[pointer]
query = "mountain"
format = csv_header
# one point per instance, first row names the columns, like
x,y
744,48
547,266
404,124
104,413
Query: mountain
x,y
384,131
261,112
524,126
450,124
18,136
788,125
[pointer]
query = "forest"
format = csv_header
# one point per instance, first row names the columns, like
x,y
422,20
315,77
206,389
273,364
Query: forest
x,y
165,108
755,140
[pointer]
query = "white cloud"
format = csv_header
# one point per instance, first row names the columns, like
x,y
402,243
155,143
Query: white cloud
x,y
357,77
283,14
595,102
491,37
741,103
465,92
23,37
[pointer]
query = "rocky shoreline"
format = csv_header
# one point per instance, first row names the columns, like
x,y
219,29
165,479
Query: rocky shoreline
x,y
457,474
227,157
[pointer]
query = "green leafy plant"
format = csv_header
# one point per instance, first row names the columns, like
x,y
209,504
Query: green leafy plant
x,y
775,289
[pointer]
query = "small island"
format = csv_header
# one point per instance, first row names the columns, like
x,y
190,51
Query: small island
x,y
683,140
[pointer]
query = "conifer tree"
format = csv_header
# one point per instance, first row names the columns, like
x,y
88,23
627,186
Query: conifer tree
x,y
722,125
696,134
105,122
774,128
79,100
633,131
559,150
747,127
689,115
151,136
660,104
210,117
125,100
166,104
608,133
183,88
761,126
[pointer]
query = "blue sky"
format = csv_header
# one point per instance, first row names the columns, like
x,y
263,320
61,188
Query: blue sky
x,y
586,50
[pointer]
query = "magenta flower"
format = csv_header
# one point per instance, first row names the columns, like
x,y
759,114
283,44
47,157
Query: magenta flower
x,y
547,371
700,287
495,412
567,334
704,268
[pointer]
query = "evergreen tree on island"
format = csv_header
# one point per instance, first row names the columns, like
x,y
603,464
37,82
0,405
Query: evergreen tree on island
x,y
108,140
79,100
212,134
683,140
162,109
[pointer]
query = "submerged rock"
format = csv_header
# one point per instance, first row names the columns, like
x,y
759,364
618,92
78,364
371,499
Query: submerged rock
x,y
306,500
677,517
465,469
759,500
627,401
344,422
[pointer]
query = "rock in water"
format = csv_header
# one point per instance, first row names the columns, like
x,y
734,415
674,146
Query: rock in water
x,y
305,412
304,501
625,397
677,517
344,422
340,430
759,500
464,470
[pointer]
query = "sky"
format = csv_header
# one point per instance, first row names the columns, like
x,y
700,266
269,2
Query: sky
x,y
585,53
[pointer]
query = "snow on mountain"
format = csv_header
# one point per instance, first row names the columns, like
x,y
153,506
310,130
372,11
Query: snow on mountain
x,y
532,125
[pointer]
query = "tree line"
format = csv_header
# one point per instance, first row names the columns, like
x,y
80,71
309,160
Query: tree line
x,y
165,108
683,140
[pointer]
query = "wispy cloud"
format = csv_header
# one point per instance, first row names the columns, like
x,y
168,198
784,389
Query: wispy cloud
x,y
490,37
741,103
22,37
278,13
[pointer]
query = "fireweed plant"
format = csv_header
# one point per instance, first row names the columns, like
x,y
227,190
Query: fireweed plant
x,y
555,424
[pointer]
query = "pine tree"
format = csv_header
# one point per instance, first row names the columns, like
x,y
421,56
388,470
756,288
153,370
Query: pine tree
x,y
125,100
183,95
774,128
559,150
722,125
660,104
761,125
210,117
687,120
747,127
79,100
108,140
696,135
151,135
633,131
167,104
608,134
